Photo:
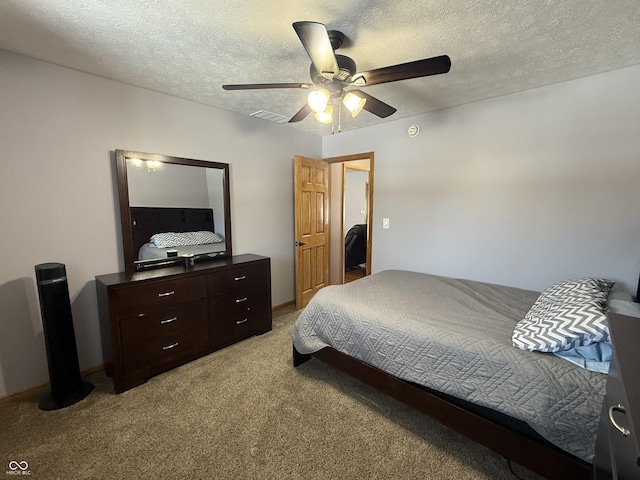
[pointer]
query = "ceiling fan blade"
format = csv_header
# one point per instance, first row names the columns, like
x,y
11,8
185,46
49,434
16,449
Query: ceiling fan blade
x,y
406,71
375,106
302,113
260,86
315,39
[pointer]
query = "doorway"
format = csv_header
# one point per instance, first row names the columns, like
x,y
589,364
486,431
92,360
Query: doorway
x,y
355,205
351,205
319,200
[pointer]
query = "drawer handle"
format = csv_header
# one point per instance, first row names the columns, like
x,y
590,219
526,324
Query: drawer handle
x,y
168,320
240,300
167,294
169,347
617,408
240,278
241,321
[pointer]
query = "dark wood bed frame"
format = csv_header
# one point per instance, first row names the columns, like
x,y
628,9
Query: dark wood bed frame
x,y
509,437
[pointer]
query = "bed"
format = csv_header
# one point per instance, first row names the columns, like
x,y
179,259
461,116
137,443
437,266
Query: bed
x,y
535,408
148,222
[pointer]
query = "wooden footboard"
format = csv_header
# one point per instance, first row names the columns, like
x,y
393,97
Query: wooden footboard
x,y
299,358
533,453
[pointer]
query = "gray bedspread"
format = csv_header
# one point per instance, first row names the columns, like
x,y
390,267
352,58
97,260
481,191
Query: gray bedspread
x,y
454,336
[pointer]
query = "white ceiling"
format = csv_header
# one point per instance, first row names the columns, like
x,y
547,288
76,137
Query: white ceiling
x,y
190,48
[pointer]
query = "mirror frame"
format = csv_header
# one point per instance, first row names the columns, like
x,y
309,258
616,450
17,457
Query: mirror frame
x,y
131,263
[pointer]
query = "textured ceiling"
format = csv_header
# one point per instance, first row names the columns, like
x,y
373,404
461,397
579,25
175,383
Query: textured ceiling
x,y
190,48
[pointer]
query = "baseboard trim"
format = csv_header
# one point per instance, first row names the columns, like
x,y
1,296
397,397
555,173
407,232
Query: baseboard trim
x,y
33,394
282,306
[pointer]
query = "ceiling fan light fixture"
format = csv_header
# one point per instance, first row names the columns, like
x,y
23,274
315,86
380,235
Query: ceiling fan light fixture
x,y
353,102
325,116
318,99
331,73
358,80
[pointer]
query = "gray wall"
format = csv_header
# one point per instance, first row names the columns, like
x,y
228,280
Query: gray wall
x,y
522,190
168,185
58,131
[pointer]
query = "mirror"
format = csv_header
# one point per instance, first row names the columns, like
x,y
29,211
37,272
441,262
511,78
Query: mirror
x,y
167,195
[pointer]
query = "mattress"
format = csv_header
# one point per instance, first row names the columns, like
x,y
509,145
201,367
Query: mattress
x,y
454,336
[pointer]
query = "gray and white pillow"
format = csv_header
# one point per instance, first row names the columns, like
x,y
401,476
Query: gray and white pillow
x,y
568,314
578,290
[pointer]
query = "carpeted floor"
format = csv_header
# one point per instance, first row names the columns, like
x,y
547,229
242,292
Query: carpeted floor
x,y
241,413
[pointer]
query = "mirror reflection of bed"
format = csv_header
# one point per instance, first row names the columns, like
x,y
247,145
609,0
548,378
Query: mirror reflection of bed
x,y
172,207
151,222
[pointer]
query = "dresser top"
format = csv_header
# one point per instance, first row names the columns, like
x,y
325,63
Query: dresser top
x,y
162,273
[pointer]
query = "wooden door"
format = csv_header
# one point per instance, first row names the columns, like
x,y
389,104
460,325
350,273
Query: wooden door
x,y
311,198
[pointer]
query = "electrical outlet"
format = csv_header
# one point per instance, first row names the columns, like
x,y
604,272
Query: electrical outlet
x,y
385,223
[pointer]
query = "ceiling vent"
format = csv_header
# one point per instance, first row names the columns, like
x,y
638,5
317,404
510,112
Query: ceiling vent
x,y
269,116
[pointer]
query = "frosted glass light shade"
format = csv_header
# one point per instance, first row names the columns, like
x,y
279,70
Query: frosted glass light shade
x,y
326,116
354,103
318,99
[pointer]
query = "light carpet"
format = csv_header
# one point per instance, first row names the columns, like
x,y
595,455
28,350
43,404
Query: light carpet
x,y
243,412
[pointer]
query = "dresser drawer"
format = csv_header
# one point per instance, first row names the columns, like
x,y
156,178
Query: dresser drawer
x,y
154,320
142,299
618,446
239,325
165,351
234,303
139,329
237,279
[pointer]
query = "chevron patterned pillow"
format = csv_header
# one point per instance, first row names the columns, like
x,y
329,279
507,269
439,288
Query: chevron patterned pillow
x,y
580,289
567,315
183,239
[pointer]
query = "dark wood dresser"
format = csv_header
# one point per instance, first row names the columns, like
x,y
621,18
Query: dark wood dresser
x,y
156,320
617,453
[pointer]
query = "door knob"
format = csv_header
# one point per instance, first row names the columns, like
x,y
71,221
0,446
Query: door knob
x,y
299,244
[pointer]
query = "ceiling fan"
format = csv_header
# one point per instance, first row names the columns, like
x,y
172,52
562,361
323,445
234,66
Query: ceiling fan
x,y
332,74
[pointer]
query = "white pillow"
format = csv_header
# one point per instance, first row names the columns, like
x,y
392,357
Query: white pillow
x,y
568,314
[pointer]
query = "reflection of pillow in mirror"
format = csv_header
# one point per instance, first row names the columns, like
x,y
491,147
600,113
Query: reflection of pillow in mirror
x,y
182,239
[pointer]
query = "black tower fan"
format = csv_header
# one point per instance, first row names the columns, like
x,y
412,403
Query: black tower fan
x,y
67,386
